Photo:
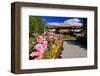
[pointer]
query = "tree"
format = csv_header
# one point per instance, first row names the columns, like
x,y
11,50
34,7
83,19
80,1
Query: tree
x,y
36,25
84,31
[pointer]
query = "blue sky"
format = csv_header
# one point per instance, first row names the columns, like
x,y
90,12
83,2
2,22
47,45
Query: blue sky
x,y
58,19
53,20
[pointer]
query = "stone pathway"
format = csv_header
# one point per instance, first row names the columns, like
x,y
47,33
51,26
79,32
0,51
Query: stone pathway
x,y
72,49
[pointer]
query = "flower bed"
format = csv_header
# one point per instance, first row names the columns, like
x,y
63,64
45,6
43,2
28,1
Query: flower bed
x,y
46,46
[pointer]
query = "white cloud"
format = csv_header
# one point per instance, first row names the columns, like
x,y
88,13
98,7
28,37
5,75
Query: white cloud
x,y
74,22
53,23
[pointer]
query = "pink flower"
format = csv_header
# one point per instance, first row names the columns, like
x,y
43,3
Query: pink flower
x,y
37,54
39,47
44,39
38,58
34,54
40,39
45,44
41,52
50,33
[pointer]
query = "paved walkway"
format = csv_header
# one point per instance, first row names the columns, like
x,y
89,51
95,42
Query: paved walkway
x,y
73,50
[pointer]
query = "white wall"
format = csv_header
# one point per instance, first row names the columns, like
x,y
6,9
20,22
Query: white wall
x,y
5,27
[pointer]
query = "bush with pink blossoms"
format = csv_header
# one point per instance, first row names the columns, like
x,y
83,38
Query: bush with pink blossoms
x,y
39,39
39,47
43,43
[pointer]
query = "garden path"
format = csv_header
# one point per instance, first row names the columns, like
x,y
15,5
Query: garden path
x,y
72,49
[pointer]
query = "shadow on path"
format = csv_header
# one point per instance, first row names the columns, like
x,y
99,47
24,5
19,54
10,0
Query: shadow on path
x,y
75,42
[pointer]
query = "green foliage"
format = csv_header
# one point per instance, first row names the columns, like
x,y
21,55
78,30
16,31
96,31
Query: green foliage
x,y
32,42
84,28
84,38
36,25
